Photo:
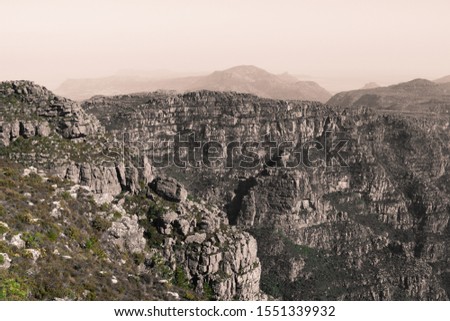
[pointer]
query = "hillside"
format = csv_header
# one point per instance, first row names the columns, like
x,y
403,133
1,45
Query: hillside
x,y
415,97
246,79
79,223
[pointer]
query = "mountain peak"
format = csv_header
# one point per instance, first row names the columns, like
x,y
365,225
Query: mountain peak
x,y
246,70
370,85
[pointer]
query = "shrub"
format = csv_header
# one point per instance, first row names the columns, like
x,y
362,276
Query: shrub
x,y
155,211
180,278
3,229
138,258
154,238
33,240
34,179
101,224
105,207
13,289
90,243
52,235
73,233
25,217
66,196
208,291
190,296
117,215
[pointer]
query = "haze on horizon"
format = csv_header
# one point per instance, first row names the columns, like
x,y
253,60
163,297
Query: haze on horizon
x,y
339,44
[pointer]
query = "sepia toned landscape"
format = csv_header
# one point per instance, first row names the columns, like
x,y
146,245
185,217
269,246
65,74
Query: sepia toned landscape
x,y
165,151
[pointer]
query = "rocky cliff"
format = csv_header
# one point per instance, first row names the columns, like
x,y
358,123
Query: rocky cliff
x,y
348,204
372,227
105,208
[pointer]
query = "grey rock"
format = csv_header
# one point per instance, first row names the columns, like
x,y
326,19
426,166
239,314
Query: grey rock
x,y
6,262
224,257
183,225
127,234
27,129
5,130
35,254
106,180
196,238
17,241
15,130
169,189
43,129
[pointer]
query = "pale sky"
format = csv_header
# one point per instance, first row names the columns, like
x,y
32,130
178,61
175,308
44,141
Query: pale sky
x,y
345,43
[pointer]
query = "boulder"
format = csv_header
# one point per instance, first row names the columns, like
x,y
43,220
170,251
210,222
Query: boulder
x,y
127,235
17,241
5,263
43,129
169,189
27,129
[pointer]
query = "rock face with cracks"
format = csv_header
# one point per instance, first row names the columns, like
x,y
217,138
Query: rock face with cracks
x,y
372,227
367,221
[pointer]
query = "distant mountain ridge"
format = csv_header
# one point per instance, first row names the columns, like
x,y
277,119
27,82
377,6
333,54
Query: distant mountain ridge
x,y
245,79
415,96
442,80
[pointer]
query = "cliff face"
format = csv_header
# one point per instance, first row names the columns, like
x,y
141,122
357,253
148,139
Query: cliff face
x,y
37,127
374,227
353,205
143,223
29,110
219,259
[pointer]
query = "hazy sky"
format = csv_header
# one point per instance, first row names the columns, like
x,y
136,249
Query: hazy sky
x,y
344,43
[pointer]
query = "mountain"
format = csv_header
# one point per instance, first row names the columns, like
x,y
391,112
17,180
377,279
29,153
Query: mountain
x,y
443,80
370,85
253,80
376,228
287,77
415,96
94,204
79,223
245,79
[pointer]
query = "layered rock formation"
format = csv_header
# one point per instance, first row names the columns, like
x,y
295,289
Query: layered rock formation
x,y
29,110
217,260
353,204
374,227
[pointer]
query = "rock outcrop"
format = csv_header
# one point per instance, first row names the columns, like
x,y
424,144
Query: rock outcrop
x,y
127,235
5,261
29,110
169,189
345,230
218,258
